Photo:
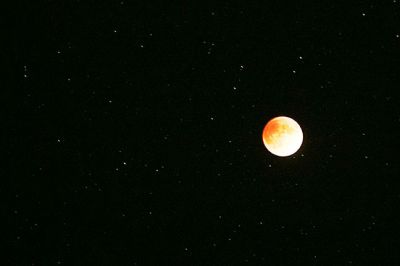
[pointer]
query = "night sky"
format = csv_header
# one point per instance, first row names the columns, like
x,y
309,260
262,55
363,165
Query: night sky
x,y
132,133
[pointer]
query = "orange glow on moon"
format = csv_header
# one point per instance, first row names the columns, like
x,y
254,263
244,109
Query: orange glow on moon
x,y
282,136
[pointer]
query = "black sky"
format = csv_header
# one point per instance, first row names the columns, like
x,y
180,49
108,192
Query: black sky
x,y
133,133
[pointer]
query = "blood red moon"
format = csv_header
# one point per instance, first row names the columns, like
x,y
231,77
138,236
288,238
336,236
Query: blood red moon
x,y
282,136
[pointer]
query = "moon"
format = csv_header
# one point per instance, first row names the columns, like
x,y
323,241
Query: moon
x,y
282,136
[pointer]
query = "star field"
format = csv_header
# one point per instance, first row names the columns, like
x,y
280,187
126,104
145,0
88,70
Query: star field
x,y
133,133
